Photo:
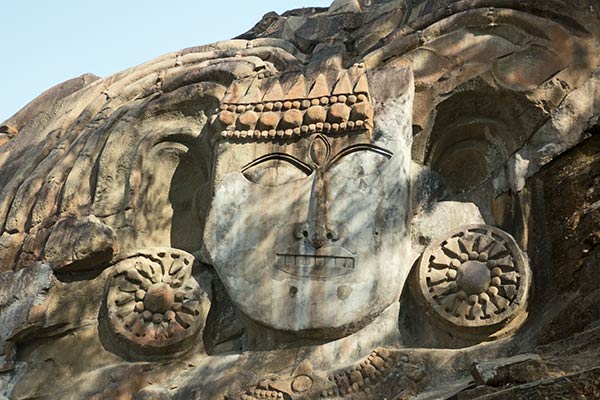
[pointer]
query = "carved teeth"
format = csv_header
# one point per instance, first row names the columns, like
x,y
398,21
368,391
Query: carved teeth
x,y
315,261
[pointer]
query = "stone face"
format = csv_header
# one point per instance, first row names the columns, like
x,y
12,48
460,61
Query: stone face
x,y
378,199
319,243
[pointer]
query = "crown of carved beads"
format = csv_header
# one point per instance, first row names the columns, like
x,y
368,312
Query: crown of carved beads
x,y
286,106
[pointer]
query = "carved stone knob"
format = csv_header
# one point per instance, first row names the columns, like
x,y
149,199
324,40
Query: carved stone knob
x,y
474,281
153,303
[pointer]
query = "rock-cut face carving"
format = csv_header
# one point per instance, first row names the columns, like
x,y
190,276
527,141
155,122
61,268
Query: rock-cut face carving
x,y
153,302
476,279
308,232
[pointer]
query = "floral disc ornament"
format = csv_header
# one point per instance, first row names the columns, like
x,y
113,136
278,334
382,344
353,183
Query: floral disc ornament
x,y
476,279
153,302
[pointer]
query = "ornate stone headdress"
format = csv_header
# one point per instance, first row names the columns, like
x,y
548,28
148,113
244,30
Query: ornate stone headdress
x,y
267,107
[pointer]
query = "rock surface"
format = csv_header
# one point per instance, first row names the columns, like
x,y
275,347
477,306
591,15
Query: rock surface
x,y
379,199
523,368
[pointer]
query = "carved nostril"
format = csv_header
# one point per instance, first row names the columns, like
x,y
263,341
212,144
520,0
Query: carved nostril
x,y
300,231
332,233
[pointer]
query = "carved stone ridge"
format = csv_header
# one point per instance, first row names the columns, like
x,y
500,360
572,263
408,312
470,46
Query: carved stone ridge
x,y
274,106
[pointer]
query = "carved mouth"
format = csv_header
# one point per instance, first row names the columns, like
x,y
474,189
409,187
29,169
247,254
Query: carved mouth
x,y
315,265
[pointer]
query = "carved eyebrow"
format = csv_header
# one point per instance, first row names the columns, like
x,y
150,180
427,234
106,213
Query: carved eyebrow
x,y
361,147
282,157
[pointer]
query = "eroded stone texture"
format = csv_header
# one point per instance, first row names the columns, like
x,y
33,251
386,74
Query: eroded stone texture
x,y
353,202
520,369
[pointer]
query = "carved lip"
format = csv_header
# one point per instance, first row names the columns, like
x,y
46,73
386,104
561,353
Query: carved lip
x,y
327,263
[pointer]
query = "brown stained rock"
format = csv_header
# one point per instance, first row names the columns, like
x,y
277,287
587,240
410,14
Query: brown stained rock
x,y
527,69
475,393
298,90
361,111
291,119
428,66
77,244
152,393
343,86
339,113
582,385
45,100
309,253
21,292
247,120
8,130
227,118
320,87
315,114
572,190
8,356
274,92
345,6
268,120
4,138
515,370
477,47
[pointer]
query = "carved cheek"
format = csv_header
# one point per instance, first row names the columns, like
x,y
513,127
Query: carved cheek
x,y
245,215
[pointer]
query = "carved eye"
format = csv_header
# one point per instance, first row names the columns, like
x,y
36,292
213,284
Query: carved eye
x,y
359,161
276,169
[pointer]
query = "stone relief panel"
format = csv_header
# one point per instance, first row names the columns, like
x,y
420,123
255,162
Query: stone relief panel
x,y
296,147
385,372
474,281
153,303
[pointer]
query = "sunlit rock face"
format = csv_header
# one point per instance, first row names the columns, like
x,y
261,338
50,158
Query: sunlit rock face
x,y
379,199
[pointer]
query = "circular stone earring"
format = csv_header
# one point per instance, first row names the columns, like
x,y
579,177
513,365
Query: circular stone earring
x,y
153,303
475,281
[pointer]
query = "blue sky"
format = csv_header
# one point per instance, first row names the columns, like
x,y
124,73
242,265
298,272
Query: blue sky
x,y
45,42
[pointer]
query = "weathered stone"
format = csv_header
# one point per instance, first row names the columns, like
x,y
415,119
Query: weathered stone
x,y
476,393
292,119
515,370
4,138
315,114
426,228
153,302
339,113
584,385
528,69
91,245
344,6
21,292
358,201
248,120
269,120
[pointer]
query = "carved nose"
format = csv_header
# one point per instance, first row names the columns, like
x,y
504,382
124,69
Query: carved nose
x,y
317,236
